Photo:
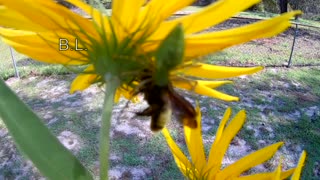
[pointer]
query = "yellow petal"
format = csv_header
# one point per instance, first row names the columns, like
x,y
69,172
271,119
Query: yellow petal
x,y
49,37
207,17
202,44
50,15
124,16
213,84
265,176
96,15
219,132
222,124
249,161
117,96
84,80
254,28
13,19
218,72
35,46
49,56
166,8
213,14
180,159
159,10
204,88
206,91
287,173
190,85
297,172
127,93
23,6
194,143
220,148
277,173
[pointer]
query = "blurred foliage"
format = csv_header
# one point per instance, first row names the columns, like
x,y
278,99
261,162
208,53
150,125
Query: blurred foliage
x,y
106,3
309,8
267,5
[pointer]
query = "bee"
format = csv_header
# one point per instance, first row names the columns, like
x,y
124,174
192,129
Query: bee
x,y
158,91
164,101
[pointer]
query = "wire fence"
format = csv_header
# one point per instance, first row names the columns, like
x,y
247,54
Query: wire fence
x,y
298,46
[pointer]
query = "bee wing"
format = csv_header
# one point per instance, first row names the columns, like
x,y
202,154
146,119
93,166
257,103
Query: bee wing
x,y
183,109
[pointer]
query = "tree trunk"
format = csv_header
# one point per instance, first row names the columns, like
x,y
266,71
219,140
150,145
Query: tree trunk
x,y
283,6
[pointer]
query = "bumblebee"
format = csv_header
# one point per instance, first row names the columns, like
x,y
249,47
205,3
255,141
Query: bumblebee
x,y
155,84
164,101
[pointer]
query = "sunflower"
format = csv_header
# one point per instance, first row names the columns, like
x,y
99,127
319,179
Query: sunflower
x,y
201,167
125,43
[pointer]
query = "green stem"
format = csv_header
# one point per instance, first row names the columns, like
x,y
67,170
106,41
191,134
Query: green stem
x,y
111,88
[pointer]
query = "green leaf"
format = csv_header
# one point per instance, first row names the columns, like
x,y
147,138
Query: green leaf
x,y
35,140
169,55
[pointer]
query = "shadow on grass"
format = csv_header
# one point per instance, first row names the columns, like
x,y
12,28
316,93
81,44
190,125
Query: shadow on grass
x,y
150,153
311,34
70,114
28,62
306,133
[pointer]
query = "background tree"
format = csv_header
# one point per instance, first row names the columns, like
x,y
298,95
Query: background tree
x,y
283,5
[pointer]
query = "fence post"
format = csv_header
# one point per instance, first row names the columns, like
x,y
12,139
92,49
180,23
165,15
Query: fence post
x,y
14,64
294,40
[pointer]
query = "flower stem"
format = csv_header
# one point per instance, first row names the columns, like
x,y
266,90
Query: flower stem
x,y
111,88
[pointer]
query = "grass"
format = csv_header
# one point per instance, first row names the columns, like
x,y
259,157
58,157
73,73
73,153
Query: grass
x,y
304,132
301,131
273,52
152,153
281,92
